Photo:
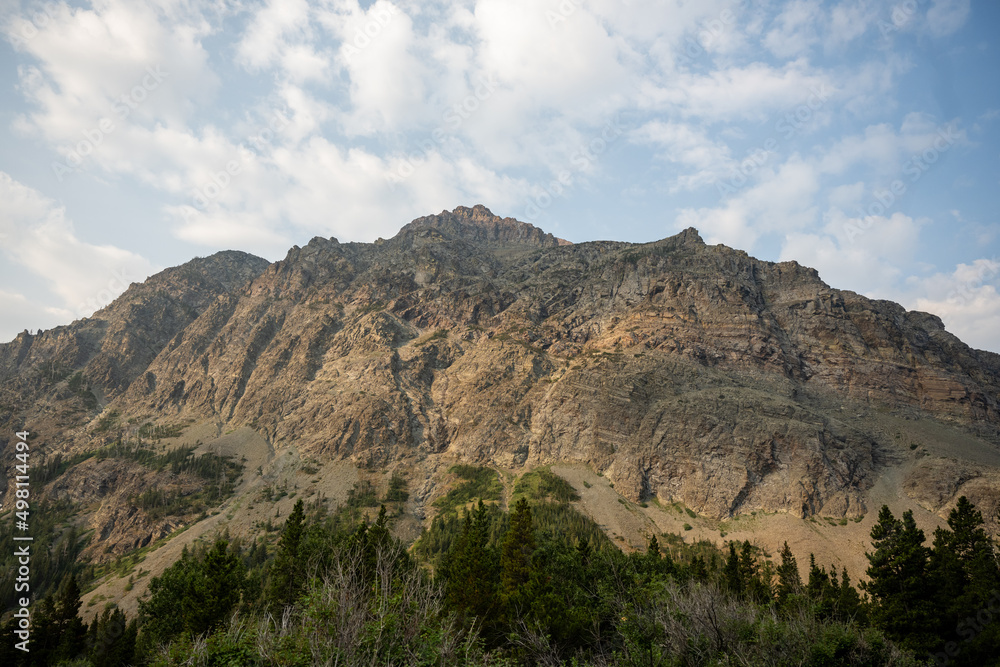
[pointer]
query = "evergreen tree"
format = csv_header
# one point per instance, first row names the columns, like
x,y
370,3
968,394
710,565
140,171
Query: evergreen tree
x,y
655,563
192,596
653,549
732,574
217,588
898,583
789,581
697,569
966,575
754,585
287,572
111,639
470,572
515,558
848,601
70,627
45,637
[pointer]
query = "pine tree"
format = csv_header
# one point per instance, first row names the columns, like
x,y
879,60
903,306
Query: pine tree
x,y
194,595
470,571
45,635
820,590
966,575
218,586
111,639
789,581
653,549
655,563
68,624
753,583
898,583
287,572
697,569
732,573
848,601
515,557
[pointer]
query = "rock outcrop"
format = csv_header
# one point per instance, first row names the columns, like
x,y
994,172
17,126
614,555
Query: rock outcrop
x,y
682,371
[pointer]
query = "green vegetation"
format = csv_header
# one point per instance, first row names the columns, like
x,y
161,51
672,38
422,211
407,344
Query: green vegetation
x,y
540,585
543,484
397,493
106,423
342,591
362,495
55,465
80,388
55,550
477,483
160,431
440,334
558,520
221,474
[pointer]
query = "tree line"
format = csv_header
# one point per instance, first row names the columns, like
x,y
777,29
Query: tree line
x,y
506,588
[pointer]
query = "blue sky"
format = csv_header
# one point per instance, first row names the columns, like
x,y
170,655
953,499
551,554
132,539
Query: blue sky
x,y
859,137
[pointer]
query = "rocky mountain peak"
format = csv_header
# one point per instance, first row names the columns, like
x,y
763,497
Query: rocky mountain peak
x,y
478,224
690,236
682,373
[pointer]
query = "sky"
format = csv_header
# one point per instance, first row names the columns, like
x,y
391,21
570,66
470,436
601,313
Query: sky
x,y
859,137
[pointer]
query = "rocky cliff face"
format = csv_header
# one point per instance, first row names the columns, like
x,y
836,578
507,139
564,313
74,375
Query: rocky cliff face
x,y
681,371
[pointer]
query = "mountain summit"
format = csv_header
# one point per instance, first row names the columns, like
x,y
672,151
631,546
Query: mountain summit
x,y
479,225
665,374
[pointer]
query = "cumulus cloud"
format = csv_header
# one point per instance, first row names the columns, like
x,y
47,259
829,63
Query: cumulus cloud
x,y
705,159
118,62
38,237
795,31
347,118
967,300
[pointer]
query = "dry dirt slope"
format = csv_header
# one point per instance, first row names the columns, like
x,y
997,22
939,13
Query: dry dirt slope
x,y
835,541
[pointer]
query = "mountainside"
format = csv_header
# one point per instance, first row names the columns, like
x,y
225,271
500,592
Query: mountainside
x,y
682,373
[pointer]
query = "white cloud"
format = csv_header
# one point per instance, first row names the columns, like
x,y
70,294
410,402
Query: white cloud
x,y
867,260
267,38
39,238
395,108
875,265
21,313
126,63
944,17
777,199
795,31
967,300
850,20
751,92
380,59
706,160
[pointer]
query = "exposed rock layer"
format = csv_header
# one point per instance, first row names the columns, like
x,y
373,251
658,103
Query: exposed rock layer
x,y
682,371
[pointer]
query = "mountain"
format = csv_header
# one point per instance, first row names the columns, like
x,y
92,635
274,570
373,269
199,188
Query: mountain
x,y
671,382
